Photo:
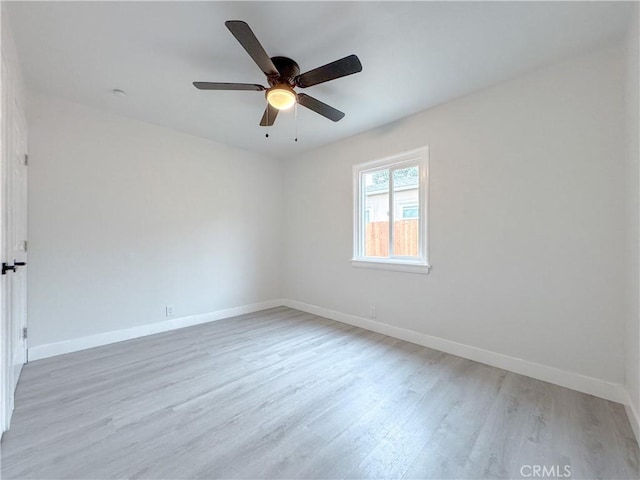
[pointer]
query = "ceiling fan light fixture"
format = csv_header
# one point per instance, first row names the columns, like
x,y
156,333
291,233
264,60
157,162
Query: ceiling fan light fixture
x,y
283,75
281,97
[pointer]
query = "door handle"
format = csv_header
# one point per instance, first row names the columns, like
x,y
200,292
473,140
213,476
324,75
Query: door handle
x,y
6,268
19,264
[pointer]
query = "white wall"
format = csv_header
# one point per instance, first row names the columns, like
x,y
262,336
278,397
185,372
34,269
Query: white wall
x,y
632,336
527,209
126,217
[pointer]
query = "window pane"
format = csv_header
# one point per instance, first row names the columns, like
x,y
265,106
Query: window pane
x,y
410,212
406,211
375,213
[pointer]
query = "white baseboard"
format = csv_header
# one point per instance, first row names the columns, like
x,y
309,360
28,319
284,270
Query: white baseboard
x,y
73,345
575,381
634,417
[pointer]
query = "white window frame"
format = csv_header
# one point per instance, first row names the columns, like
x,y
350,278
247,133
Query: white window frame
x,y
420,157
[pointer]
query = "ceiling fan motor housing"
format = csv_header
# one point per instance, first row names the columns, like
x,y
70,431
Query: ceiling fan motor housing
x,y
288,70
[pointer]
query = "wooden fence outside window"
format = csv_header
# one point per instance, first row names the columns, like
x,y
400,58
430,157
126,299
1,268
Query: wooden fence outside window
x,y
405,236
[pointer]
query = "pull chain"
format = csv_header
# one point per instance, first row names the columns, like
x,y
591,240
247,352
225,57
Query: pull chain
x,y
295,112
267,125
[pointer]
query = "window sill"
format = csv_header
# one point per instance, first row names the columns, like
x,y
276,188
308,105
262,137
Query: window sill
x,y
393,265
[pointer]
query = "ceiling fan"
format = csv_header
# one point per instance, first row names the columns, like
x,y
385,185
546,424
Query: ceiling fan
x,y
283,75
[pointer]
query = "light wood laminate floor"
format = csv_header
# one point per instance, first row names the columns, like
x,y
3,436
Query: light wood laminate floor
x,y
285,394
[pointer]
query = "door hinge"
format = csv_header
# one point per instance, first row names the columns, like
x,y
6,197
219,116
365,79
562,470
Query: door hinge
x,y
26,159
24,333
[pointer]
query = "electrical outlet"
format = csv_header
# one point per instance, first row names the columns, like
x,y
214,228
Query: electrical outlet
x,y
372,312
171,310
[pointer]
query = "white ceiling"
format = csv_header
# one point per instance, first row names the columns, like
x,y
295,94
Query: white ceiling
x,y
414,54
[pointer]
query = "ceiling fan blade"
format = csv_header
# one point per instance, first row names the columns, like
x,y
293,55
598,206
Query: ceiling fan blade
x,y
320,107
228,86
250,43
269,116
340,68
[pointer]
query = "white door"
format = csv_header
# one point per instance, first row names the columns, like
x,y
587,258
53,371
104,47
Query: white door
x,y
13,284
17,236
5,398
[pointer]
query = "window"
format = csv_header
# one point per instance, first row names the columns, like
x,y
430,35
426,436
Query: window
x,y
411,211
390,213
367,214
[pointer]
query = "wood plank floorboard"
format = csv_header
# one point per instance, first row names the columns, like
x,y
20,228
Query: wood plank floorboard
x,y
287,394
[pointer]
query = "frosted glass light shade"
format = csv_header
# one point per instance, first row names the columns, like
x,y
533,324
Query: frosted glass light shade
x,y
281,97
